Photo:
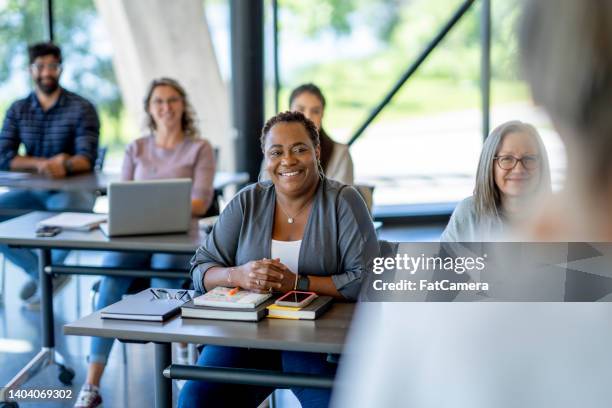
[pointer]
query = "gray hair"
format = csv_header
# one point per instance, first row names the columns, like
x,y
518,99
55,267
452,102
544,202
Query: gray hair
x,y
487,197
566,57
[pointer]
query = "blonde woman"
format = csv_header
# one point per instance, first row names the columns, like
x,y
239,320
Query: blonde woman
x,y
173,149
513,172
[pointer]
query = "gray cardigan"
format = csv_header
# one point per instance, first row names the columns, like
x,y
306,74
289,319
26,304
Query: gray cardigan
x,y
339,238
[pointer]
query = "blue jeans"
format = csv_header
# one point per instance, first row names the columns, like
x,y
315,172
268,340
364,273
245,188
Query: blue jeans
x,y
113,288
27,259
204,393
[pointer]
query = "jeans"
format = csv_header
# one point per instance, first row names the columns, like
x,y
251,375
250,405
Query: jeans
x,y
27,259
113,288
204,393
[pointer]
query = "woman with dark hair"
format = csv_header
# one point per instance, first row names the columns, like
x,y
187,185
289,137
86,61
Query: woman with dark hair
x,y
336,161
297,230
173,149
513,174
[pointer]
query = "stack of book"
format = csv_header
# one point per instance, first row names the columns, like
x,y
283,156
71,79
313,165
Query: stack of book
x,y
228,304
309,312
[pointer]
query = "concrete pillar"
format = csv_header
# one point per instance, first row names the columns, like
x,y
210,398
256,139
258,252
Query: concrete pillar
x,y
154,38
247,32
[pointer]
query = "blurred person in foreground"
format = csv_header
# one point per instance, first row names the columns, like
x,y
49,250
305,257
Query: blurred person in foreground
x,y
515,354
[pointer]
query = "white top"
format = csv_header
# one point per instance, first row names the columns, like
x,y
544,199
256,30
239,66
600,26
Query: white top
x,y
288,252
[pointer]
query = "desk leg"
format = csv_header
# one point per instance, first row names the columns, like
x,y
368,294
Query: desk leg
x,y
46,299
163,385
47,355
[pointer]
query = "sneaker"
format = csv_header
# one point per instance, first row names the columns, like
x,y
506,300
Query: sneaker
x,y
28,290
89,397
33,303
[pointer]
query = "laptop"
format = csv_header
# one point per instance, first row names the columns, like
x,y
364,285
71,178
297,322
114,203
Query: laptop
x,y
148,207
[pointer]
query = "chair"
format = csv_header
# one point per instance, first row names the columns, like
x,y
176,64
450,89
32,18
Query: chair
x,y
367,193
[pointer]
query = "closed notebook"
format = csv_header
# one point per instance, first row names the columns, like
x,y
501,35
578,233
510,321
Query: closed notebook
x,y
223,297
74,221
309,312
143,306
190,310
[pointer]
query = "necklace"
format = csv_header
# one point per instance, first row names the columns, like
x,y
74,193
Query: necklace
x,y
291,219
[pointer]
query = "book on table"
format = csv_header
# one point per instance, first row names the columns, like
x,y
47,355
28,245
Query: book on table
x,y
231,298
223,303
309,312
144,306
74,221
15,175
253,314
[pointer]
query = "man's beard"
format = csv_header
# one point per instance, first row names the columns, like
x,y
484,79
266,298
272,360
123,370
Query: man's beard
x,y
47,87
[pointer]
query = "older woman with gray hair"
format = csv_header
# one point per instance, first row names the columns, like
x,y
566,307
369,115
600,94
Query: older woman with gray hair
x,y
513,172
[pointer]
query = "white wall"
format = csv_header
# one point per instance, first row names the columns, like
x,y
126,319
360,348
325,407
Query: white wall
x,y
154,38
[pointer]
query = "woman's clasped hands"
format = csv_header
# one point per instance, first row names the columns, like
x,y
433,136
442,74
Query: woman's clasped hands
x,y
264,275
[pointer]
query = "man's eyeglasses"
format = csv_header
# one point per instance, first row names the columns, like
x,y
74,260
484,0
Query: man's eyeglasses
x,y
53,67
529,162
164,294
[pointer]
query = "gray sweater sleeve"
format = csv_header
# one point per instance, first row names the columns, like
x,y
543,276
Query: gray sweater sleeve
x,y
219,248
357,243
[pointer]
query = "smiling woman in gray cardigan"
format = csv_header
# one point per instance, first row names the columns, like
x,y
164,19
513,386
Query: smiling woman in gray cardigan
x,y
297,230
339,238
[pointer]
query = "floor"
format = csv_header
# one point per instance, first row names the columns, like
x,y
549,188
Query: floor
x,y
125,385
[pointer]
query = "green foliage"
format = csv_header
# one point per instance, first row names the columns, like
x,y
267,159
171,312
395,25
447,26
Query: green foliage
x,y
339,16
22,22
448,80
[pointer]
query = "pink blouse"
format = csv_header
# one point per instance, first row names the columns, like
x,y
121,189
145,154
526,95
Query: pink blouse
x,y
192,158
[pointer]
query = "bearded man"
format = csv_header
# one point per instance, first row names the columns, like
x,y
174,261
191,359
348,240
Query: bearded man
x,y
58,132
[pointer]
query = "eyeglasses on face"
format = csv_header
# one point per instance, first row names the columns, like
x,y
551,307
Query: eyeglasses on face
x,y
164,294
39,67
170,101
529,162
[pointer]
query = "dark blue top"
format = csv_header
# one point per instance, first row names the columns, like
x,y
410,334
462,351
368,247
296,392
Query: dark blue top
x,y
71,126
